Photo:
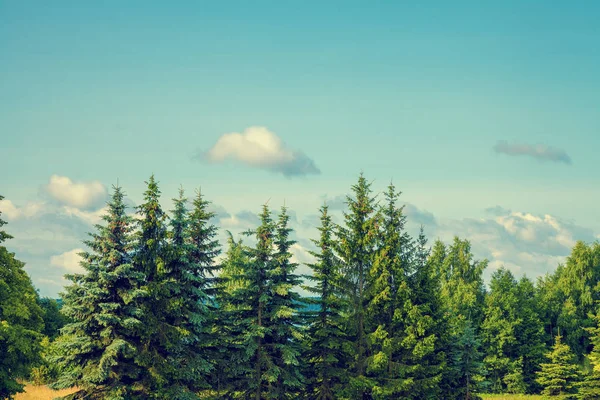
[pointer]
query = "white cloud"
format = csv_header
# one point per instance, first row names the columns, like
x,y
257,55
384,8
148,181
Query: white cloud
x,y
13,212
69,261
258,147
520,241
79,195
91,217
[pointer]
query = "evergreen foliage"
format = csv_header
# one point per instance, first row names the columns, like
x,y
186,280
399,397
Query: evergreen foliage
x,y
20,321
100,347
589,388
560,375
356,249
153,315
327,342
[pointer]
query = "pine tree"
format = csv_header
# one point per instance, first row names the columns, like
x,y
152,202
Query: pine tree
x,y
356,249
529,333
589,389
466,364
229,329
325,356
254,366
426,327
499,328
98,349
462,284
560,375
187,318
388,301
20,321
151,258
203,292
283,315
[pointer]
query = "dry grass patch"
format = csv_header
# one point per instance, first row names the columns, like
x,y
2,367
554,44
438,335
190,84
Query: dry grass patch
x,y
42,393
511,397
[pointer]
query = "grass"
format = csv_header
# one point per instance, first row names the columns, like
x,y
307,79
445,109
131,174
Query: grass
x,y
42,393
510,396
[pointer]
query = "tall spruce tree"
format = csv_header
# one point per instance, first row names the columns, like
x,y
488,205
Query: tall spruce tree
x,y
560,375
191,345
20,321
283,315
389,299
203,290
227,377
426,335
326,356
98,350
356,248
255,369
151,258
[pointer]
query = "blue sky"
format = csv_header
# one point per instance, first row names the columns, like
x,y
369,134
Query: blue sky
x,y
421,92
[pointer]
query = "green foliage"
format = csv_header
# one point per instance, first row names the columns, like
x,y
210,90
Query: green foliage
x,y
153,315
512,334
589,388
20,321
560,375
356,249
54,320
98,350
466,365
326,339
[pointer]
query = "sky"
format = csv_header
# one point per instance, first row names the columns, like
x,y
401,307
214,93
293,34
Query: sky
x,y
484,114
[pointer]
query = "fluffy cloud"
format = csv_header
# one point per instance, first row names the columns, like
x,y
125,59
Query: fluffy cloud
x,y
523,242
80,195
540,152
258,147
68,261
13,212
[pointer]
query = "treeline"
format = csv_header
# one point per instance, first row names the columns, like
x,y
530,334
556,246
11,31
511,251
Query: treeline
x,y
154,315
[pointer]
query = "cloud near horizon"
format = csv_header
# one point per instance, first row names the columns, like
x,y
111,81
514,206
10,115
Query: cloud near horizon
x,y
258,147
539,152
82,195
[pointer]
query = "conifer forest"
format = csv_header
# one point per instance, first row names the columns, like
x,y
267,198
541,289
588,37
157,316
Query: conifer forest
x,y
163,310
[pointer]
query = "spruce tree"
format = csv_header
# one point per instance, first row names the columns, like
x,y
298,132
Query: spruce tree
x,y
560,375
151,258
203,289
187,319
356,249
326,356
229,329
98,350
254,367
283,315
466,364
589,388
499,328
389,298
20,321
426,328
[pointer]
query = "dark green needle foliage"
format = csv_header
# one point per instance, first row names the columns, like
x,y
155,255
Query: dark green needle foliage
x,y
326,340
99,349
254,367
151,257
283,315
559,376
356,248
20,321
589,388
